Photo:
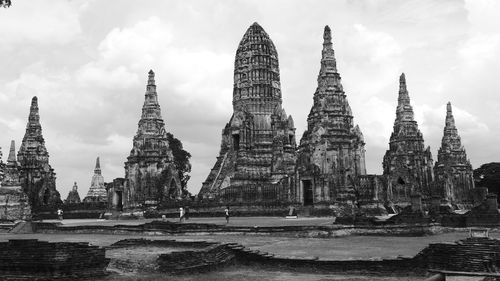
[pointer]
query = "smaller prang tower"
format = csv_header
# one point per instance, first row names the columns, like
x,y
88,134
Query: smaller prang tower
x,y
407,164
150,173
453,171
97,191
73,196
331,154
37,176
14,203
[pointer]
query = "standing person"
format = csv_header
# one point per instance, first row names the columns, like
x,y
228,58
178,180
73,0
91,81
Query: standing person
x,y
60,214
226,211
181,214
186,212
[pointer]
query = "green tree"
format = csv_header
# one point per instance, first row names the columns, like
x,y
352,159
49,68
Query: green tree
x,y
488,175
5,3
181,160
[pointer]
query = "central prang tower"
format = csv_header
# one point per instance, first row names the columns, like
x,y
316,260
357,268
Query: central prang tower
x,y
257,156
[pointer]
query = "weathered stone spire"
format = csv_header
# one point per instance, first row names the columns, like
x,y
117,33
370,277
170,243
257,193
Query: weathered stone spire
x,y
404,111
332,148
453,171
408,163
37,176
75,187
97,169
12,154
328,63
149,171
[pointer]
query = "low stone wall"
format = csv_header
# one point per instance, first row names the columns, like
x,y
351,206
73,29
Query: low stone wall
x,y
469,255
479,255
174,228
30,259
196,261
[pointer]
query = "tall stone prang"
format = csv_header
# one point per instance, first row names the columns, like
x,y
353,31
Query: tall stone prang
x,y
453,171
73,196
331,152
407,164
257,158
150,173
97,191
37,176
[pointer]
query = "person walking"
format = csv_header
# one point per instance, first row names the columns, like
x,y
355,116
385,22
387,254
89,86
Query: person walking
x,y
226,211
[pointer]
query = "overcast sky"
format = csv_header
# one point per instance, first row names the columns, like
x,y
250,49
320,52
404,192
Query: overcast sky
x,y
87,61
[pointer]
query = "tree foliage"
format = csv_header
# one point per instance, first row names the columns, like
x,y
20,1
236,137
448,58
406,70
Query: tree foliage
x,y
181,159
5,3
488,175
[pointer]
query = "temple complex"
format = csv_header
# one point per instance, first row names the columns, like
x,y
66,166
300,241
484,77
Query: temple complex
x,y
37,176
453,171
13,201
97,191
407,164
256,162
73,196
331,155
150,173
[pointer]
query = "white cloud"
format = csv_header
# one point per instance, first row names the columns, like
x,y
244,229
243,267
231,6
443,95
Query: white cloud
x,y
27,22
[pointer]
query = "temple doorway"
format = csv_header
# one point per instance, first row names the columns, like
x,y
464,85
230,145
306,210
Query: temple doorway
x,y
118,201
236,141
308,193
46,197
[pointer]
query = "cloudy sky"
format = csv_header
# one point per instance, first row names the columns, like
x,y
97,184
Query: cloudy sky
x,y
87,61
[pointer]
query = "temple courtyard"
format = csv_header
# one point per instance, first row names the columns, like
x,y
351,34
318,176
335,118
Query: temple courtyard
x,y
346,247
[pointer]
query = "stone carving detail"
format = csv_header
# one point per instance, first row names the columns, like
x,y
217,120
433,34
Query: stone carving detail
x,y
453,171
150,174
258,144
331,151
97,191
37,176
73,196
407,164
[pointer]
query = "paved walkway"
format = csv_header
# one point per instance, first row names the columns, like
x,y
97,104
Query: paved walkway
x,y
350,247
235,221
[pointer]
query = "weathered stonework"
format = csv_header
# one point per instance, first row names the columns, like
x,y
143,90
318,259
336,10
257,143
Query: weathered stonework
x,y
150,174
37,176
453,171
257,157
13,201
97,191
331,151
407,164
73,196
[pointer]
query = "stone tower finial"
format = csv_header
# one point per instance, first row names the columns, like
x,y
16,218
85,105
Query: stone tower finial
x,y
34,117
75,187
404,97
97,169
328,62
450,120
12,153
327,35
402,82
151,78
